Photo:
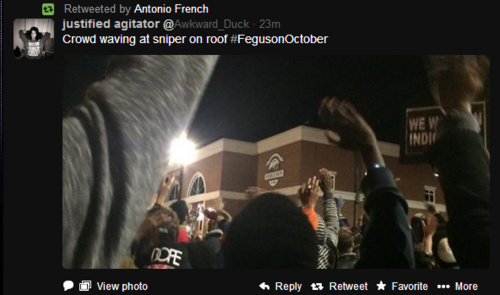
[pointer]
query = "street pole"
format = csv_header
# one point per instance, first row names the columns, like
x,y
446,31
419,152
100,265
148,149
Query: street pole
x,y
356,185
181,177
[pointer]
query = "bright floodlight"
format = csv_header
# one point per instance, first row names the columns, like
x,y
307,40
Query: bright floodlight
x,y
182,151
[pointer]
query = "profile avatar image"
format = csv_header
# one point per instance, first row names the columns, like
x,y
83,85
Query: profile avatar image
x,y
34,43
35,39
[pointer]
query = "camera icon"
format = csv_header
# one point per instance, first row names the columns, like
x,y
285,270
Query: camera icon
x,y
85,285
48,9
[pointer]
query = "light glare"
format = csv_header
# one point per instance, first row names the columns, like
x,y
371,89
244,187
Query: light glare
x,y
183,151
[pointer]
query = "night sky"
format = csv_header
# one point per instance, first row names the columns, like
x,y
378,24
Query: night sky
x,y
253,97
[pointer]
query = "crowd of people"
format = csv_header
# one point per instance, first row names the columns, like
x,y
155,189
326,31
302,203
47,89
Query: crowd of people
x,y
113,157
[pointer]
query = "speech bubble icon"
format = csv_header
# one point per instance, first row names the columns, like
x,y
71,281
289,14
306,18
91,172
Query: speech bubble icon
x,y
68,285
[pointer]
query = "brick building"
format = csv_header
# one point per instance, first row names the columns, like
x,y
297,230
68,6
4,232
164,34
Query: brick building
x,y
223,170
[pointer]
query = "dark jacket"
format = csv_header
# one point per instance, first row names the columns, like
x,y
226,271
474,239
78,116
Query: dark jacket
x,y
387,242
464,173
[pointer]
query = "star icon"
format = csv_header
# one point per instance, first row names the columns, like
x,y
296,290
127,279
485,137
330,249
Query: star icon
x,y
381,286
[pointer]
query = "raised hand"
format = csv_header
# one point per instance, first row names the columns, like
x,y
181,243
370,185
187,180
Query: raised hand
x,y
163,190
347,127
308,193
326,182
430,225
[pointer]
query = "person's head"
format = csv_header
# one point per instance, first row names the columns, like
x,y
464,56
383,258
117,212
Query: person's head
x,y
271,233
358,238
160,226
346,241
181,209
416,226
157,239
359,222
34,34
164,222
452,76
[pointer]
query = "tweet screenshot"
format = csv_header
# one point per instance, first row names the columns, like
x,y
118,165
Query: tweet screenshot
x,y
247,147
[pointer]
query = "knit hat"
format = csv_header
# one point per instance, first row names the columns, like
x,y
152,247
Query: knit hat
x,y
216,232
180,207
271,233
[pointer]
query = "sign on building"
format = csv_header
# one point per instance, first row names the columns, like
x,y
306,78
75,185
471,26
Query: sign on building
x,y
275,170
421,124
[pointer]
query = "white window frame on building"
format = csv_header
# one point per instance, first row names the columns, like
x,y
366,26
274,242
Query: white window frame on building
x,y
174,193
196,185
200,220
430,194
333,176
